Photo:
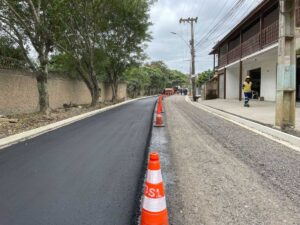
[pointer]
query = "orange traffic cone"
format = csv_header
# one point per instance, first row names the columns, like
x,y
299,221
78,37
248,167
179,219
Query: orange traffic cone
x,y
159,107
159,121
162,107
154,211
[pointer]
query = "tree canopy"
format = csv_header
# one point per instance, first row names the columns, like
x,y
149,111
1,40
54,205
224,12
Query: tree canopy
x,y
204,77
152,78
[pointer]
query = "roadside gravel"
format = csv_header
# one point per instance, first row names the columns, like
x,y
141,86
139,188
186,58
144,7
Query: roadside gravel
x,y
226,174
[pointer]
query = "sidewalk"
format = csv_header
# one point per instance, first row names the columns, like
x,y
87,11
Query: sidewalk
x,y
261,112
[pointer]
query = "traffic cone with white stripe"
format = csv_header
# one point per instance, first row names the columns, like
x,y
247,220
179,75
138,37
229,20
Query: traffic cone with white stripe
x,y
154,211
159,121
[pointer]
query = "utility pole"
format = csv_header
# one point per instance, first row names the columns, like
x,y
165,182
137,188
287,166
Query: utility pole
x,y
192,43
286,76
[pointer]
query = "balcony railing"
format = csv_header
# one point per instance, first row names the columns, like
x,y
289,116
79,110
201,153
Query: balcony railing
x,y
251,45
268,36
223,60
234,54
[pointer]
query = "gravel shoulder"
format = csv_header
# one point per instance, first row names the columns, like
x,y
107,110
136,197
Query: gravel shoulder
x,y
226,174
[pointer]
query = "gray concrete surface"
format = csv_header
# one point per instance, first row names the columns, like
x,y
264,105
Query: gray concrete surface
x,y
260,111
85,173
226,174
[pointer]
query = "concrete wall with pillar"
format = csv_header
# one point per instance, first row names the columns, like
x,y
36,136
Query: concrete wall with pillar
x,y
232,82
286,70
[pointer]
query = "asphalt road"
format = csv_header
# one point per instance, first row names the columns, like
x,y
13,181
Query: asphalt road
x,y
225,174
86,173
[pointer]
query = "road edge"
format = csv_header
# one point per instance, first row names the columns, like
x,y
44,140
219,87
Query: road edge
x,y
288,140
17,138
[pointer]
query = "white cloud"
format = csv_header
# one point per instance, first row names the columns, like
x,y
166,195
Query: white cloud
x,y
165,15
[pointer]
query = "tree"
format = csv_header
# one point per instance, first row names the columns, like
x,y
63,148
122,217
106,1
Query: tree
x,y
11,54
204,77
153,78
138,81
103,38
79,39
28,24
8,48
177,78
124,38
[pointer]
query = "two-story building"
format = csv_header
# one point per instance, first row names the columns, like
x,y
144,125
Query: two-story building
x,y
251,48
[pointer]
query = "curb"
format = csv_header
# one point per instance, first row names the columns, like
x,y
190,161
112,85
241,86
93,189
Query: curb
x,y
17,138
275,135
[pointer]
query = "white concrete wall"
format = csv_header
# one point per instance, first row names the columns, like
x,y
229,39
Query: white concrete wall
x,y
232,83
268,64
221,86
268,80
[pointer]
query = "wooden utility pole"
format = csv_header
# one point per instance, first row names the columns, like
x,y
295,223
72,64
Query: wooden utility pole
x,y
286,75
192,43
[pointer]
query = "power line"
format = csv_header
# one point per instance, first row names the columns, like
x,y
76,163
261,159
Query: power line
x,y
219,34
224,19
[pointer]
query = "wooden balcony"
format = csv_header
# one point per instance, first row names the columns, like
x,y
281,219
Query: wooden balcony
x,y
251,45
223,60
268,36
234,54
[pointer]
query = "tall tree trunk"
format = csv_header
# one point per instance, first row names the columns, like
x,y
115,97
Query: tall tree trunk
x,y
91,83
42,84
114,88
95,92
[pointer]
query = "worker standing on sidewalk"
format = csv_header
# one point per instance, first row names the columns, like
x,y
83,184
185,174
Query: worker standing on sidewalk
x,y
247,88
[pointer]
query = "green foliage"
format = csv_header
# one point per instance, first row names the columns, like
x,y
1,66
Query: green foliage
x,y
9,49
152,79
103,38
124,38
204,77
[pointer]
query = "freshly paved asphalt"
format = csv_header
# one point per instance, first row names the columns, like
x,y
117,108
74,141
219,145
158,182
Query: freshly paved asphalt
x,y
86,173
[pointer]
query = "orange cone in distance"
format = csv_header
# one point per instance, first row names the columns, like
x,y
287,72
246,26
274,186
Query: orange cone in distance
x,y
159,121
159,108
160,104
154,211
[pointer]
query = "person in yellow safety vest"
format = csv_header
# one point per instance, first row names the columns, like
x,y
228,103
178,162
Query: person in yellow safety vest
x,y
247,88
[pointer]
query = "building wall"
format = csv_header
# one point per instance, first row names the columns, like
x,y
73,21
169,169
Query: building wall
x,y
268,64
232,83
18,92
268,75
221,85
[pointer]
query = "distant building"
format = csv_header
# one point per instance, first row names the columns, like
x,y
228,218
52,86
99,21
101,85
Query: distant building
x,y
251,48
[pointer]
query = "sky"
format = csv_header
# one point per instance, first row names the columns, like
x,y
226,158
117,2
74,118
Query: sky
x,y
173,49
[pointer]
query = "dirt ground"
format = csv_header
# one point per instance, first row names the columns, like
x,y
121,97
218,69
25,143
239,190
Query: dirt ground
x,y
20,123
227,175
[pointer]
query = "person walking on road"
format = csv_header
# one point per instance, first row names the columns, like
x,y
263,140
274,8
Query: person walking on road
x,y
247,88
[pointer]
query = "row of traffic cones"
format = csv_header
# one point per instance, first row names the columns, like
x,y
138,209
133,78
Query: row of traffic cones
x,y
154,206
